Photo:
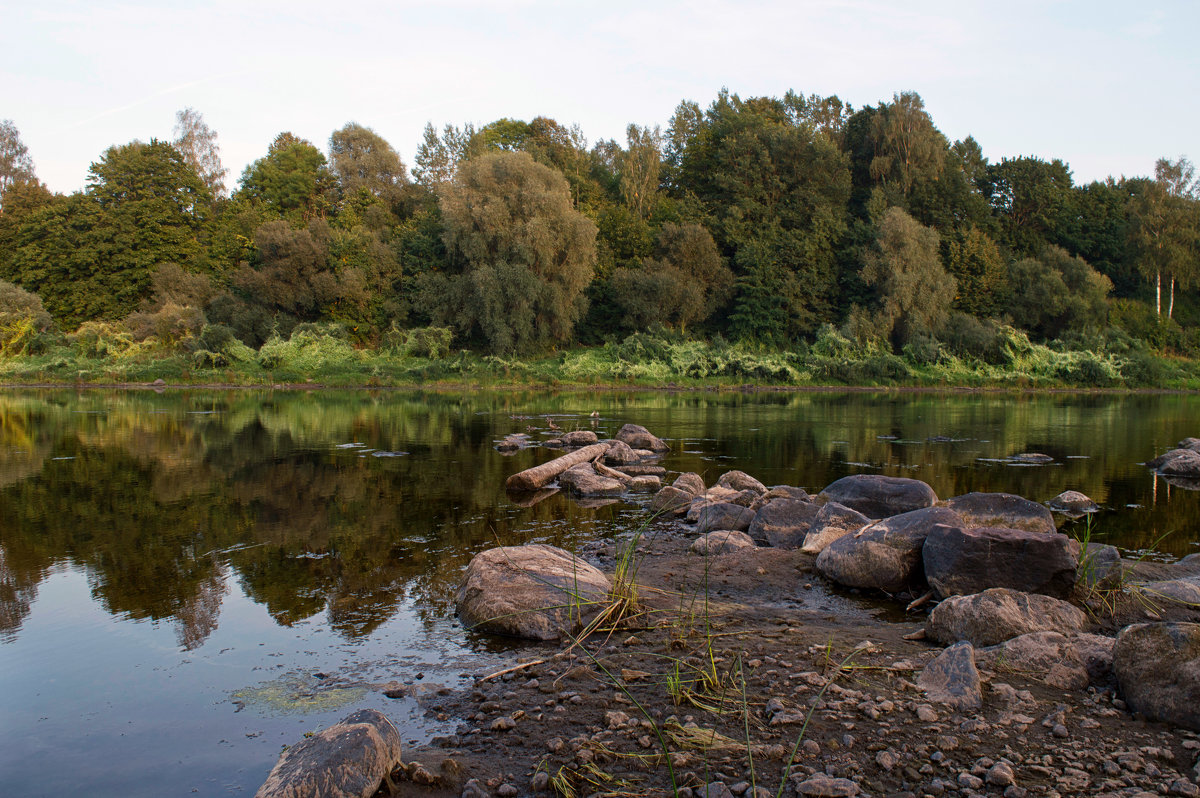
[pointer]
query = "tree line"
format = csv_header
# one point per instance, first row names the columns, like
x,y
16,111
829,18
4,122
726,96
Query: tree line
x,y
760,220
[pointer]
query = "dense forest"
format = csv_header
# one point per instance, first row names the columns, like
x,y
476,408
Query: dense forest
x,y
773,225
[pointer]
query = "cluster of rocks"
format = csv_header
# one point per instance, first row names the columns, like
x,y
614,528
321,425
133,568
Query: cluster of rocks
x,y
1181,465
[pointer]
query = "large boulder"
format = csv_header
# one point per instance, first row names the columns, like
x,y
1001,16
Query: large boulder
x,y
740,480
1000,614
1158,669
783,523
959,562
724,515
533,591
953,679
780,492
583,480
877,496
723,541
885,555
1049,657
639,437
831,522
350,759
1002,509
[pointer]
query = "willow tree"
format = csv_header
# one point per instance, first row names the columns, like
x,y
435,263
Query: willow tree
x,y
524,255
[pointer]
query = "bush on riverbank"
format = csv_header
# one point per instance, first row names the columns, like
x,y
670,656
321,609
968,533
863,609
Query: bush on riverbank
x,y
325,354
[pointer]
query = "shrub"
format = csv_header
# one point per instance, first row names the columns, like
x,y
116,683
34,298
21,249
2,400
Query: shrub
x,y
171,325
430,342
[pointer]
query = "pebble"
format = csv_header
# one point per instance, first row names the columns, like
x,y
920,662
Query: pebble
x,y
1060,730
1001,774
926,713
507,791
503,724
821,785
969,780
541,781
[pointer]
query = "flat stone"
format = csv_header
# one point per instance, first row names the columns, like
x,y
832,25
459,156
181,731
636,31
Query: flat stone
x,y
999,614
580,437
722,541
953,679
1001,510
831,522
583,480
820,785
724,515
1049,657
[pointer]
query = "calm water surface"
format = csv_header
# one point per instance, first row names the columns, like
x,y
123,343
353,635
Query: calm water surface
x,y
191,580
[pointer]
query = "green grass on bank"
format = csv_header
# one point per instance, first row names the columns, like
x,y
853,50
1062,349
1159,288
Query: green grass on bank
x,y
105,354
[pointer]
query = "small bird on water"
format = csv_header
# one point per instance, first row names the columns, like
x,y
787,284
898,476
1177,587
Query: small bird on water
x,y
551,423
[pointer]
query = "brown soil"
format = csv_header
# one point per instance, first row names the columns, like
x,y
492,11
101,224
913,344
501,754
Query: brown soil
x,y
777,645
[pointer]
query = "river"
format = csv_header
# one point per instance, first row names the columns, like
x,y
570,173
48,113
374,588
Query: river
x,y
190,580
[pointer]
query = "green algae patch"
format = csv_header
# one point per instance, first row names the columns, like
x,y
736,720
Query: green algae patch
x,y
297,695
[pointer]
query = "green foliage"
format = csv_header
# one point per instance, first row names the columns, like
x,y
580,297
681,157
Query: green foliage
x,y
430,342
292,181
361,159
914,291
979,272
1031,198
306,352
1057,293
525,254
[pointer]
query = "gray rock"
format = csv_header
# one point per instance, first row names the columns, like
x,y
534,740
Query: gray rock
x,y
642,470
724,515
953,679
1186,465
1002,510
621,454
964,561
645,484
877,496
1099,564
1158,670
579,437
533,591
1170,599
999,614
820,785
885,555
672,500
1167,456
639,437
740,480
1096,651
692,483
1073,502
1189,443
783,523
350,758
1049,657
722,541
583,480
781,492
832,521
1030,458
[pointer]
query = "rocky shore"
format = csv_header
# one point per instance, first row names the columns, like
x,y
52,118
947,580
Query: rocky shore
x,y
869,640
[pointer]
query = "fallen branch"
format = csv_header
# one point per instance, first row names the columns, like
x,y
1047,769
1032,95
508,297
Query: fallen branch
x,y
540,476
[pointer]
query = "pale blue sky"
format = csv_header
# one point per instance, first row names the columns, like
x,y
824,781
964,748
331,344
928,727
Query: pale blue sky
x,y
1106,86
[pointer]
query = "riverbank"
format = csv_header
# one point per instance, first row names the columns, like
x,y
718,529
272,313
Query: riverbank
x,y
323,358
757,673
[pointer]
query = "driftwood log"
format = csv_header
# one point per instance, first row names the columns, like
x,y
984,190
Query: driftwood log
x,y
540,476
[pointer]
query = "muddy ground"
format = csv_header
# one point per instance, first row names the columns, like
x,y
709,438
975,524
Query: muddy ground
x,y
707,692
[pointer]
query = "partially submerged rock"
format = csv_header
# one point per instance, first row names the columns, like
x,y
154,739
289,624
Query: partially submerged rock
x,y
783,523
999,614
579,437
350,759
877,496
722,541
885,555
1030,458
1186,464
831,522
964,561
638,437
533,591
1158,670
582,480
1002,510
953,679
1073,502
